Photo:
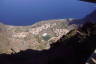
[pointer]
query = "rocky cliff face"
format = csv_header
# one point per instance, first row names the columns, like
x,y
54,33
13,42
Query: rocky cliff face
x,y
39,36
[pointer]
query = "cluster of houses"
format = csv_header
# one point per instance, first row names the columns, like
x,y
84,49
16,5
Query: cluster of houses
x,y
60,32
34,31
37,30
20,35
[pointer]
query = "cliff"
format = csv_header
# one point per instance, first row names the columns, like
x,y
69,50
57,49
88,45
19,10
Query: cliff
x,y
74,47
39,36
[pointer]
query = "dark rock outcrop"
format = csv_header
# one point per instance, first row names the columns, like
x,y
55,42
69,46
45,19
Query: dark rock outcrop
x,y
93,1
91,17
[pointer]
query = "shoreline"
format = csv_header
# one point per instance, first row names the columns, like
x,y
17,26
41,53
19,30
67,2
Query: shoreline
x,y
70,19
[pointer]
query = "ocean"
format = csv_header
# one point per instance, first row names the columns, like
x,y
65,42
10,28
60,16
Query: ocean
x,y
28,12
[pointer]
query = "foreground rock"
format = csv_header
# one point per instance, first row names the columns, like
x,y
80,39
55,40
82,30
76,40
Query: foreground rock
x,y
39,36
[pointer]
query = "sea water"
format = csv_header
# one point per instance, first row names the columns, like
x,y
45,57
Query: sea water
x,y
27,12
